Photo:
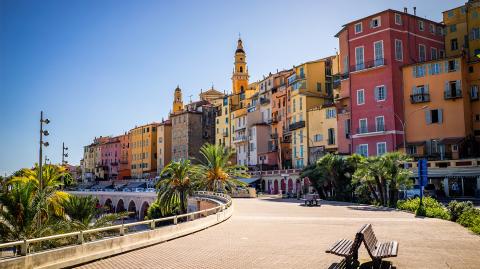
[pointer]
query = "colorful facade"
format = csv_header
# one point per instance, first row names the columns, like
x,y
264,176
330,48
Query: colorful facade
x,y
322,131
164,144
143,148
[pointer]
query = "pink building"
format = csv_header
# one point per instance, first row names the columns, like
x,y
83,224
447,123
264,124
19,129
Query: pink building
x,y
373,50
110,151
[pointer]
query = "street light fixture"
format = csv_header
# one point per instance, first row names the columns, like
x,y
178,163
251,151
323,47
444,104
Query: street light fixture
x,y
64,154
42,144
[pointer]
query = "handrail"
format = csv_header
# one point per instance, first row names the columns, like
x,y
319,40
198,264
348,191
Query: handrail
x,y
24,244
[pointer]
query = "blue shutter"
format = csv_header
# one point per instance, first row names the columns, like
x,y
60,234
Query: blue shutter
x,y
457,65
414,69
440,115
428,118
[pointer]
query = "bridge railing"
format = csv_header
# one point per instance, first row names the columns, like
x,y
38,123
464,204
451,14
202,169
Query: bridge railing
x,y
35,245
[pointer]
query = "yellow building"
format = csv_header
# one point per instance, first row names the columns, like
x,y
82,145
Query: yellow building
x,y
143,148
463,30
164,144
311,87
322,131
223,124
177,100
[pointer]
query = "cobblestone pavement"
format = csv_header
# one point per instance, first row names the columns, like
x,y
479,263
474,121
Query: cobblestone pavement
x,y
275,233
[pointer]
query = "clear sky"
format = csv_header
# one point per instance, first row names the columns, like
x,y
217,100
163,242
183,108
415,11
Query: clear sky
x,y
102,67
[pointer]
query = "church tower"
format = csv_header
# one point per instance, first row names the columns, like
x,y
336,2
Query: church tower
x,y
177,100
240,73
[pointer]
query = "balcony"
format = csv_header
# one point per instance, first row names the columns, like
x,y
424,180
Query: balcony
x,y
225,134
264,101
274,135
240,138
368,65
371,129
419,98
452,94
297,125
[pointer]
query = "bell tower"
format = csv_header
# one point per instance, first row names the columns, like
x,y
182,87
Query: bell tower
x,y
177,100
240,72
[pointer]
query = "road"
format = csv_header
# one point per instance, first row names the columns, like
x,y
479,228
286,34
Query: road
x,y
276,233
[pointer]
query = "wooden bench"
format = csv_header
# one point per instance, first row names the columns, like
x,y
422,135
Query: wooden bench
x,y
377,250
348,249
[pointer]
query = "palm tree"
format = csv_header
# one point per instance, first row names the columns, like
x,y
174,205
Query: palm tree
x,y
175,188
49,197
395,173
216,171
84,214
368,174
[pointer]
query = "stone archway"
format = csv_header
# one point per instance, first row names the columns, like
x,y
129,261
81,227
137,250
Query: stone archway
x,y
120,206
108,205
275,187
290,185
283,186
132,209
143,210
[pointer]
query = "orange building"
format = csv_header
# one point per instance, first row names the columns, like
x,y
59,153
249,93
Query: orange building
x,y
125,157
438,109
143,148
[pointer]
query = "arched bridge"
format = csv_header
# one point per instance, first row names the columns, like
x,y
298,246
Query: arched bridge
x,y
137,202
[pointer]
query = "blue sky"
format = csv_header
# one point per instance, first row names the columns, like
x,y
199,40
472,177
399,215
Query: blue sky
x,y
102,67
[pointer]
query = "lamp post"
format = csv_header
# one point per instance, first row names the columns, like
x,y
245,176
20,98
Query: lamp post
x,y
64,154
404,123
42,144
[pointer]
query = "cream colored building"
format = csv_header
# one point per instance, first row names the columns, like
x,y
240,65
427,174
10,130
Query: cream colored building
x,y
164,144
322,131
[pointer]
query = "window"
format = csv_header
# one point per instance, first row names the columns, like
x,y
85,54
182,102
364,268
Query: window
x,y
346,125
317,137
453,28
433,54
359,58
452,65
375,22
300,103
418,71
422,56
363,150
358,28
380,124
442,54
380,93
330,113
398,19
435,68
434,116
453,89
319,86
381,148
331,136
398,50
475,34
411,150
453,44
421,25
432,29
378,53
450,13
474,92
360,97
362,123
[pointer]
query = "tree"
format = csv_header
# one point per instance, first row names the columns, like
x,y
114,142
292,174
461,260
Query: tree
x,y
395,174
215,171
317,178
367,175
179,182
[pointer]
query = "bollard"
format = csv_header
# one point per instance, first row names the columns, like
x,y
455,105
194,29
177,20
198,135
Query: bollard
x,y
122,230
152,225
175,220
80,238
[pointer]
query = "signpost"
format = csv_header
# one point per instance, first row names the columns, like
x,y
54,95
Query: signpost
x,y
422,176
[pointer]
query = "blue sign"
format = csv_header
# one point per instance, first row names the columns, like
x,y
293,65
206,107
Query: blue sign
x,y
422,172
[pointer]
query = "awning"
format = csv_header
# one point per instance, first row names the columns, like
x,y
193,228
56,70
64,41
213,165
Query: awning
x,y
452,140
248,181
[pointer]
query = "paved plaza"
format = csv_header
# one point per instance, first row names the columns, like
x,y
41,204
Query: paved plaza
x,y
275,233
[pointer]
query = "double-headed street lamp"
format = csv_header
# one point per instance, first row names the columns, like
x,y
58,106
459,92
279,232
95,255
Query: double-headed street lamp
x,y
64,154
42,144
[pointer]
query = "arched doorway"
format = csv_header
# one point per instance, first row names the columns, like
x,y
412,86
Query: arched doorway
x,y
132,209
143,210
120,206
275,187
283,186
290,185
108,206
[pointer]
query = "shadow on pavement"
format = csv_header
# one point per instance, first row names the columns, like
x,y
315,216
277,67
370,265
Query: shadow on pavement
x,y
367,265
370,208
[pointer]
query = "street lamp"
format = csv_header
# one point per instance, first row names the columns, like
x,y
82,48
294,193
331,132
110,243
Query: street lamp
x,y
42,144
64,154
404,123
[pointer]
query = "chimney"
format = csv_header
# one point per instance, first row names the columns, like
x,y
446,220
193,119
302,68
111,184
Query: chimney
x,y
414,11
405,10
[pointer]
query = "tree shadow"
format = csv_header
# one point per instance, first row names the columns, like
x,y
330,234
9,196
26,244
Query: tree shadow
x,y
371,208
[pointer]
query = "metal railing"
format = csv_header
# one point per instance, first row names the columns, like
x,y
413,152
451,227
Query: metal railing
x,y
35,245
419,98
453,94
368,64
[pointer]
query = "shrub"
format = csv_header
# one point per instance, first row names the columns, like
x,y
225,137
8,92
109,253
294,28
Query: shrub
x,y
431,208
470,218
457,208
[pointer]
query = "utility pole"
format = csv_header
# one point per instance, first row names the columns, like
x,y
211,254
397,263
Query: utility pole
x,y
64,154
42,144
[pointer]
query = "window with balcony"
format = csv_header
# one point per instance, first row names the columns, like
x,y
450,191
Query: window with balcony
x,y
378,53
434,116
380,124
420,94
381,148
359,58
380,93
362,123
358,28
362,149
453,89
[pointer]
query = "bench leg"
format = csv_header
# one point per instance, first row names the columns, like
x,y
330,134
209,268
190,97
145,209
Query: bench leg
x,y
377,263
